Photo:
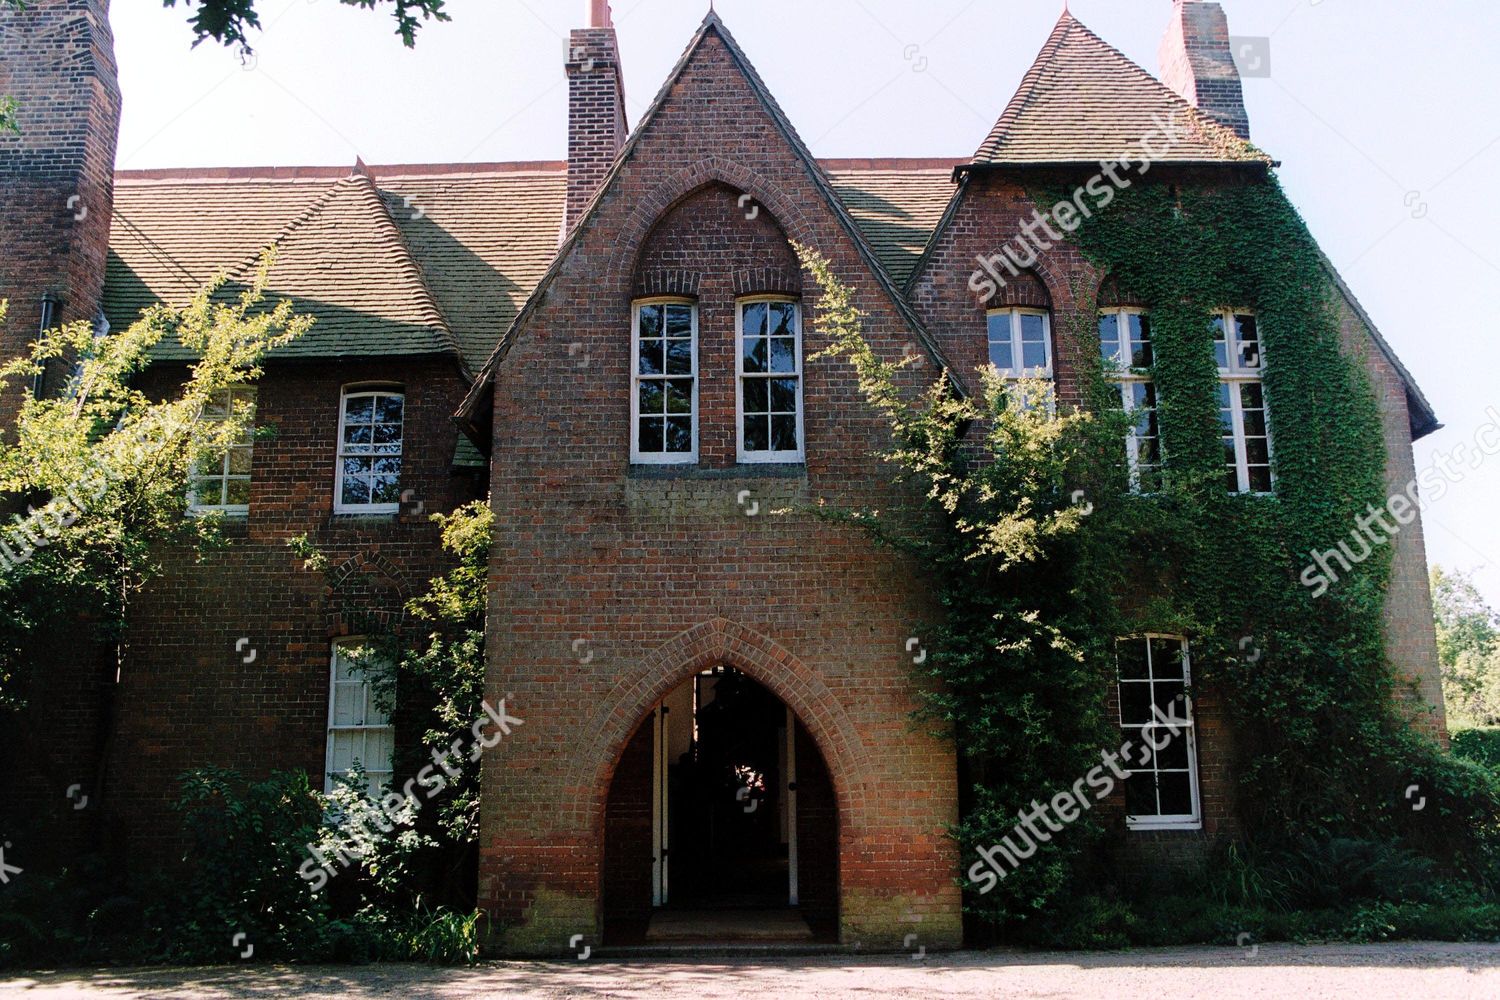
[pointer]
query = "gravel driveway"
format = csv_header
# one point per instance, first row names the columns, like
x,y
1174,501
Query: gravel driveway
x,y
1408,970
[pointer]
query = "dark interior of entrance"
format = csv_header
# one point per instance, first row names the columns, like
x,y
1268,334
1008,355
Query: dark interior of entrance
x,y
720,822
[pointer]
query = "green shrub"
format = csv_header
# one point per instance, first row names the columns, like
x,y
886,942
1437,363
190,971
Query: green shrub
x,y
1482,746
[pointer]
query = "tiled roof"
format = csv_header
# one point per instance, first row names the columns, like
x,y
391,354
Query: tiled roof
x,y
896,207
1084,101
484,240
482,234
339,257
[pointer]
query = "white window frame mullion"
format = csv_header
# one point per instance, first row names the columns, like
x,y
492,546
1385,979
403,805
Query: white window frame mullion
x,y
767,457
1193,821
638,457
1018,368
339,506
366,728
1234,375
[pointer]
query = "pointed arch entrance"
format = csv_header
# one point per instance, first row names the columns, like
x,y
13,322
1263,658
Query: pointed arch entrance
x,y
721,821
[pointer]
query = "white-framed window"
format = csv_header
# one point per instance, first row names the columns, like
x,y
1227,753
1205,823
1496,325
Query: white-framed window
x,y
1161,785
1242,403
1020,342
1125,343
664,381
371,425
222,482
358,731
768,376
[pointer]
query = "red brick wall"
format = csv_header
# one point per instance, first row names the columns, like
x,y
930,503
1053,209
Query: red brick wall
x,y
57,175
596,113
658,572
186,697
56,179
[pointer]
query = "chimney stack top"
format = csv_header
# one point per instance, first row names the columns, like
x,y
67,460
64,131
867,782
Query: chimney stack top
x,y
599,14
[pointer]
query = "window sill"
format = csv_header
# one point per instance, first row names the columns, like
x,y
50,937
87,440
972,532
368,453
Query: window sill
x,y
745,470
1147,826
353,519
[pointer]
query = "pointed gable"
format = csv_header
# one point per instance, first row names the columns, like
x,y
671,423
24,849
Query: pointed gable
x,y
697,85
339,258
1084,101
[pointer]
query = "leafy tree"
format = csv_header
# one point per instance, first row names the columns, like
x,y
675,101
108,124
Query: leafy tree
x,y
228,21
97,478
1468,635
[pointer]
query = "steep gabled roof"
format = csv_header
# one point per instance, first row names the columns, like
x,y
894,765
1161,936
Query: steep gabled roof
x,y
1083,101
480,395
339,257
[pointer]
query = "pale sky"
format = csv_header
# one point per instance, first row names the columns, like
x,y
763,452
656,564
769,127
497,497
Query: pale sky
x,y
1384,114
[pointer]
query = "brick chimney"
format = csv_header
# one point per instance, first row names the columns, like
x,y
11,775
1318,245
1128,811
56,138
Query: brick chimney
x,y
57,176
596,107
1196,61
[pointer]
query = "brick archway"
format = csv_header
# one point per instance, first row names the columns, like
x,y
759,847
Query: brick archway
x,y
651,208
720,641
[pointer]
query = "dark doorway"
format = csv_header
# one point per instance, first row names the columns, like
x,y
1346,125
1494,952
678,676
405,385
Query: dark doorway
x,y
721,822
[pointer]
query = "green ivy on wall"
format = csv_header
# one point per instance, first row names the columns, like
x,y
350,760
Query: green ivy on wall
x,y
1325,748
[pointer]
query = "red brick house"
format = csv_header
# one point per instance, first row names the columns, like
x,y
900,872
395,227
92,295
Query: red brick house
x,y
612,348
